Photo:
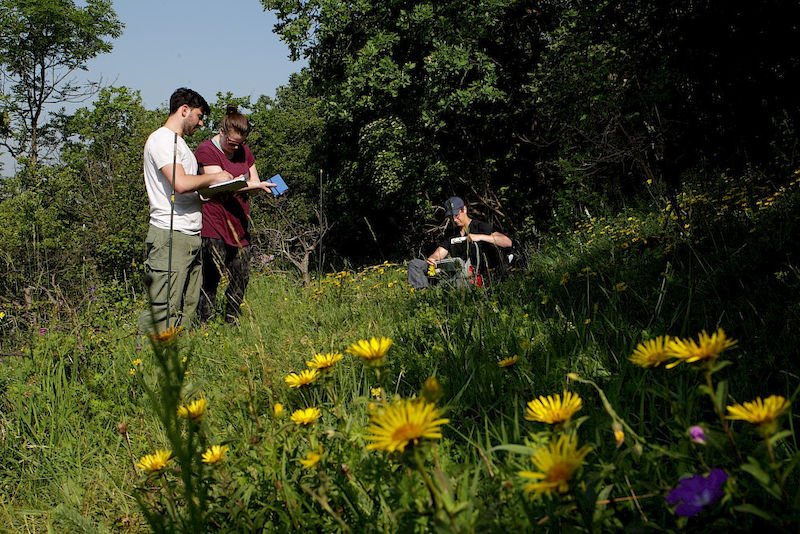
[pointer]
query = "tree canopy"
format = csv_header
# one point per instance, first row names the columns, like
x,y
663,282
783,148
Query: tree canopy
x,y
525,107
42,44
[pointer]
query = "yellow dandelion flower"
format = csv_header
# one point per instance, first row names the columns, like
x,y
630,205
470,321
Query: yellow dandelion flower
x,y
762,413
194,411
706,349
311,460
508,362
324,361
306,416
137,361
651,353
303,378
552,410
154,462
556,463
167,336
277,410
393,427
214,454
372,351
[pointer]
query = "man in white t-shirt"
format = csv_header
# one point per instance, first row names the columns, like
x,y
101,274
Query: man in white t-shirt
x,y
166,155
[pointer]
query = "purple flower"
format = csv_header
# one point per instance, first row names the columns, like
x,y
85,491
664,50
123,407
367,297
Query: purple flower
x,y
694,493
42,331
698,435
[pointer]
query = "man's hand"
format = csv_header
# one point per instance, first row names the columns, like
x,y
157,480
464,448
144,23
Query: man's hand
x,y
222,176
438,255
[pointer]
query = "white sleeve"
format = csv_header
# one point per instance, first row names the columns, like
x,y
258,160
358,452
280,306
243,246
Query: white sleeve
x,y
161,150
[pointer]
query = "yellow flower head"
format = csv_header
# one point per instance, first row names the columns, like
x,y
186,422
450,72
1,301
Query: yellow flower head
x,y
431,390
508,362
137,361
706,349
167,336
215,454
194,411
556,463
621,286
651,353
393,427
552,410
619,435
372,351
760,412
303,378
311,460
306,416
324,361
154,462
277,410
376,392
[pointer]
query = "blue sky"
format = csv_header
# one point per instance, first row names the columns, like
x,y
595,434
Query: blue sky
x,y
209,46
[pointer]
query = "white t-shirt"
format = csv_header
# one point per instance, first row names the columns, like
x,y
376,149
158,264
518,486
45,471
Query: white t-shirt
x,y
158,152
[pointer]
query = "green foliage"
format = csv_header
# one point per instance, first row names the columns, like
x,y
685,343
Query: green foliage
x,y
416,107
573,319
66,226
527,107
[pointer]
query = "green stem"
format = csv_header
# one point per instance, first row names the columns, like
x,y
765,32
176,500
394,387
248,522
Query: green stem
x,y
435,496
725,426
170,498
769,451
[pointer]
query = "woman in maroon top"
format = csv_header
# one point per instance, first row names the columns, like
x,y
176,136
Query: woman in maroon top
x,y
226,216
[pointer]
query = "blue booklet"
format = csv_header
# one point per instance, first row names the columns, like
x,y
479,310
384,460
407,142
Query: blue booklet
x,y
280,186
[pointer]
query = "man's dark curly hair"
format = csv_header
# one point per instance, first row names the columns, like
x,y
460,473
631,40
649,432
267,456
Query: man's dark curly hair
x,y
190,98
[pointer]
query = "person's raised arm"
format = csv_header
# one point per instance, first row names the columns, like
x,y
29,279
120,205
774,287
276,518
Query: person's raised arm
x,y
186,183
496,238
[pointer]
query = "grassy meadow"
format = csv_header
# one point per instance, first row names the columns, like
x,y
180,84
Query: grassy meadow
x,y
85,404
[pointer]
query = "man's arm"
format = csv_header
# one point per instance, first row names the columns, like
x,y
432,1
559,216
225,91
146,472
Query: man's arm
x,y
438,255
186,183
496,238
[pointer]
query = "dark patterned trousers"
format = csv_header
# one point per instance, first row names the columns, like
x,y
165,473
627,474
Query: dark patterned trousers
x,y
234,263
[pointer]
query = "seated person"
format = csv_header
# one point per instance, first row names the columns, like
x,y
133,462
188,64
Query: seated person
x,y
473,247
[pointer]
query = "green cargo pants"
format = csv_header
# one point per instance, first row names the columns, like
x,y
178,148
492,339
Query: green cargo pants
x,y
185,279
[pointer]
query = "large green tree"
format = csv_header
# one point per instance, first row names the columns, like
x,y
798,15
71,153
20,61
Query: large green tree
x,y
42,45
420,100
